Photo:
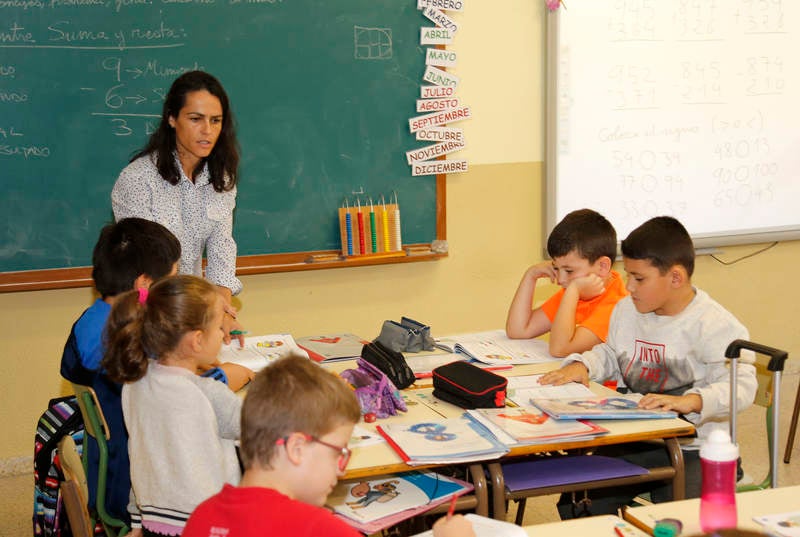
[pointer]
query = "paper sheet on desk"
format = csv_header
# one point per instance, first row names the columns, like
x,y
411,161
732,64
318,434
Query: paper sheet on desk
x,y
487,527
522,390
783,524
260,351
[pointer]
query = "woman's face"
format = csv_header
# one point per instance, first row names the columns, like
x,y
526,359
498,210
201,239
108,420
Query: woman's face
x,y
197,127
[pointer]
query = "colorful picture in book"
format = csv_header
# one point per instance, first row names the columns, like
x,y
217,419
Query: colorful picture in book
x,y
372,500
433,431
379,492
609,403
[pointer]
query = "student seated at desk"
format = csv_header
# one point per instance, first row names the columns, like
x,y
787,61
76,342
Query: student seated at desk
x,y
296,421
182,426
130,254
582,248
667,340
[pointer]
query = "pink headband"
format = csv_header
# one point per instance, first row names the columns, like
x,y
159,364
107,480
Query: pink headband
x,y
143,292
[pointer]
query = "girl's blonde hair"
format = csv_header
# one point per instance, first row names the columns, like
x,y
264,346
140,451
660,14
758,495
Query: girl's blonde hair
x,y
148,324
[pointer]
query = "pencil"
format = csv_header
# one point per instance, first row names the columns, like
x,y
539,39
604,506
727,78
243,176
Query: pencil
x,y
452,508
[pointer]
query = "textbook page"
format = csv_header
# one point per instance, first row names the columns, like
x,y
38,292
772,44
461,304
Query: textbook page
x,y
522,390
494,347
600,407
260,351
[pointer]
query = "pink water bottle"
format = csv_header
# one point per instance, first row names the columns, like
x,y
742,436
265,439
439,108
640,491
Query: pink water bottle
x,y
718,456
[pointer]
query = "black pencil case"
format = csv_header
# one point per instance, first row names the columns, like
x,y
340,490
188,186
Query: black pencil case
x,y
392,363
468,386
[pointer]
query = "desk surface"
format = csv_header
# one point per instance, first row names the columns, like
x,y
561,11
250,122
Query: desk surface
x,y
748,505
381,459
598,526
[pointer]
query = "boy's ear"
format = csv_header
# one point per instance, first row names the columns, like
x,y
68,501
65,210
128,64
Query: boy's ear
x,y
678,276
295,448
143,280
603,266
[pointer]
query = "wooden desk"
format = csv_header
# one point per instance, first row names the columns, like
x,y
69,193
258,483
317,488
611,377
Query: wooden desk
x,y
748,505
599,526
381,459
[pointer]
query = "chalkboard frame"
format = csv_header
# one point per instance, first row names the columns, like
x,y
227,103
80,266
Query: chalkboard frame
x,y
66,278
709,241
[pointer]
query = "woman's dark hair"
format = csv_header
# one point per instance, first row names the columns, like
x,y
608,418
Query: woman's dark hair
x,y
223,162
148,325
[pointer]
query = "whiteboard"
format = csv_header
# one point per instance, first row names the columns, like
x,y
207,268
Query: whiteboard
x,y
677,107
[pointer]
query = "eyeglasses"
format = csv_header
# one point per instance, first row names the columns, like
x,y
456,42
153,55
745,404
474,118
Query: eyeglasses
x,y
344,452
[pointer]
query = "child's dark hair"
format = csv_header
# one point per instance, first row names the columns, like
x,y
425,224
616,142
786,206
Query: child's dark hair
x,y
129,248
585,231
292,395
664,242
148,325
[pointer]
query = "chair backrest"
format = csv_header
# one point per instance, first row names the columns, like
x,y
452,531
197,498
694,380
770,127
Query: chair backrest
x,y
97,427
765,392
74,491
764,377
93,419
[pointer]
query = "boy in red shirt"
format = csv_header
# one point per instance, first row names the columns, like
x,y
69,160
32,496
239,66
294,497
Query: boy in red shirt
x,y
296,421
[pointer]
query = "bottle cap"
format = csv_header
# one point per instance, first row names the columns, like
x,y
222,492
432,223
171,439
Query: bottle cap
x,y
667,527
718,447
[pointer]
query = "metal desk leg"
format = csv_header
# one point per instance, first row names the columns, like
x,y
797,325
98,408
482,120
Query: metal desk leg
x,y
481,493
676,457
792,428
498,490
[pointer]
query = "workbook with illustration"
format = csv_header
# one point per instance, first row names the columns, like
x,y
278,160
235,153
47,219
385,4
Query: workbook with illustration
x,y
494,347
332,347
617,406
375,504
445,441
260,351
528,425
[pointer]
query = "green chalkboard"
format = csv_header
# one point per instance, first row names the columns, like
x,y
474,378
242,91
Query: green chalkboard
x,y
321,91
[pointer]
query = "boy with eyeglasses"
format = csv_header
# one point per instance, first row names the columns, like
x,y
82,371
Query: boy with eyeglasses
x,y
296,421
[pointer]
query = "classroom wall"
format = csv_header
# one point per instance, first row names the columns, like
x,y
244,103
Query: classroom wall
x,y
494,219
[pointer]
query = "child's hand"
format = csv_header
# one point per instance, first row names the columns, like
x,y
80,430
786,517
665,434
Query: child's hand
x,y
682,404
574,372
454,526
542,270
589,286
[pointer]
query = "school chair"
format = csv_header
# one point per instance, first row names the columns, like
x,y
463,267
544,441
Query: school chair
x,y
95,424
518,481
787,457
768,374
74,491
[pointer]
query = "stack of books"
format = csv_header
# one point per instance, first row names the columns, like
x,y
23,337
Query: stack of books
x,y
528,425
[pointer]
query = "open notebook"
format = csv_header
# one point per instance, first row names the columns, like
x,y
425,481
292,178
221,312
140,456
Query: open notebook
x,y
260,351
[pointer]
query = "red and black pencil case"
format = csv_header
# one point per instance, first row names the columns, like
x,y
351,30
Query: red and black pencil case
x,y
468,386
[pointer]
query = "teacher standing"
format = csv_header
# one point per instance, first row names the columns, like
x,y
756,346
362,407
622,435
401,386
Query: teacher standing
x,y
185,179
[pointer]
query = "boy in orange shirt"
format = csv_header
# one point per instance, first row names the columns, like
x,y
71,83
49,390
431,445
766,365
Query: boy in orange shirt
x,y
582,248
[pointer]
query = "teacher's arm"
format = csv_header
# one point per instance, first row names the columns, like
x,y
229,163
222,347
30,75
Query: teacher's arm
x,y
220,246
